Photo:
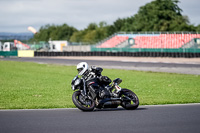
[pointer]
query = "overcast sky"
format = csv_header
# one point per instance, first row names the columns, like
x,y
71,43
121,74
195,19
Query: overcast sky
x,y
17,15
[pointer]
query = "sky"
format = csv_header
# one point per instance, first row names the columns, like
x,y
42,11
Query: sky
x,y
17,15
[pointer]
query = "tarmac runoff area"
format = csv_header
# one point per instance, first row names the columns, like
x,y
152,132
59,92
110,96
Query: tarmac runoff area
x,y
157,60
145,119
133,59
156,64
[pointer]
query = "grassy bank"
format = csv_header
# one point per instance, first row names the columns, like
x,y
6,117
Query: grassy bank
x,y
29,85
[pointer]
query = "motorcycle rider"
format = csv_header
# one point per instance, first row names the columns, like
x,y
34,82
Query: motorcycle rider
x,y
94,80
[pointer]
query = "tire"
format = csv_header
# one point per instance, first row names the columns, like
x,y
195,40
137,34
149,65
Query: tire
x,y
127,103
84,105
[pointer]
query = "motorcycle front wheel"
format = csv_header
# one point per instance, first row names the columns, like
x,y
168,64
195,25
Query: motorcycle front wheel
x,y
84,104
130,100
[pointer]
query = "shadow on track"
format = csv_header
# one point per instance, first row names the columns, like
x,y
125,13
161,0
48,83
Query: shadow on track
x,y
118,109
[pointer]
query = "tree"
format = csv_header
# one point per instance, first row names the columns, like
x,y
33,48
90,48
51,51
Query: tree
x,y
158,15
198,28
92,34
161,15
62,32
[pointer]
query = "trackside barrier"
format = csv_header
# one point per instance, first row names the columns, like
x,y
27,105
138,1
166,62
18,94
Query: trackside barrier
x,y
8,53
130,54
25,53
185,54
19,53
180,50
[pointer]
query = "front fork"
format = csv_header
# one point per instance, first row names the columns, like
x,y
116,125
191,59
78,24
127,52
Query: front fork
x,y
84,92
118,88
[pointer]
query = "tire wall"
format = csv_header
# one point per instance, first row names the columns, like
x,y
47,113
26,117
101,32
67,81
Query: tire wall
x,y
129,54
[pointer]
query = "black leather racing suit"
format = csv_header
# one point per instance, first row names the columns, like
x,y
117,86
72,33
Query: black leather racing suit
x,y
93,81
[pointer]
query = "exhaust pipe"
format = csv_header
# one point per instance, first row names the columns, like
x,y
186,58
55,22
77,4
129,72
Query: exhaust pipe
x,y
112,104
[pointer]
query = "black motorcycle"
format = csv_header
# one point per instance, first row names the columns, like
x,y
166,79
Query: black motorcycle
x,y
111,95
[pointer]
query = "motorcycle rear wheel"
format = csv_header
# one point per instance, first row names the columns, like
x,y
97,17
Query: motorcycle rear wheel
x,y
85,105
130,100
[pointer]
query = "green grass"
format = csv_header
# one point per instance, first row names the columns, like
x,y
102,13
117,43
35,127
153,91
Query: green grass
x,y
30,85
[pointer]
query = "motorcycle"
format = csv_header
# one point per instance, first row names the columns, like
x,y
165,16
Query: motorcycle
x,y
84,99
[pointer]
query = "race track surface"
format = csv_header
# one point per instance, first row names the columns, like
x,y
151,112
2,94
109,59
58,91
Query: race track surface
x,y
145,119
149,64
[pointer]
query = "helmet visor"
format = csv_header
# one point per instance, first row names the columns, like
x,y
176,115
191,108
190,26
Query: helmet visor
x,y
79,70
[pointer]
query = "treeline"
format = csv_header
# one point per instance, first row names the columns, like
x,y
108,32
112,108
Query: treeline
x,y
158,15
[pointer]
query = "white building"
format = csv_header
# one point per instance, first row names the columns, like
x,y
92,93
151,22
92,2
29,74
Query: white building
x,y
57,45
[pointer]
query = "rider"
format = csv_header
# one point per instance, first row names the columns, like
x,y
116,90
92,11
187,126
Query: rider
x,y
94,79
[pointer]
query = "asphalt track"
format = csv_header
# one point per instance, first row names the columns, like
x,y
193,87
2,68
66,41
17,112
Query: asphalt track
x,y
149,65
145,119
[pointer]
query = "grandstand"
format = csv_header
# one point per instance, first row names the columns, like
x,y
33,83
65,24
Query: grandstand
x,y
169,41
113,41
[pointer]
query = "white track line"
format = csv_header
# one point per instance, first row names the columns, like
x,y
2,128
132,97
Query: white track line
x,y
164,105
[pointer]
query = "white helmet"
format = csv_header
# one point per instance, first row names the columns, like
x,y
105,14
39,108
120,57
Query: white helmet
x,y
82,68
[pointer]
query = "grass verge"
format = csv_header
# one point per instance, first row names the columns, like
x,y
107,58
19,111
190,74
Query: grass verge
x,y
26,85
